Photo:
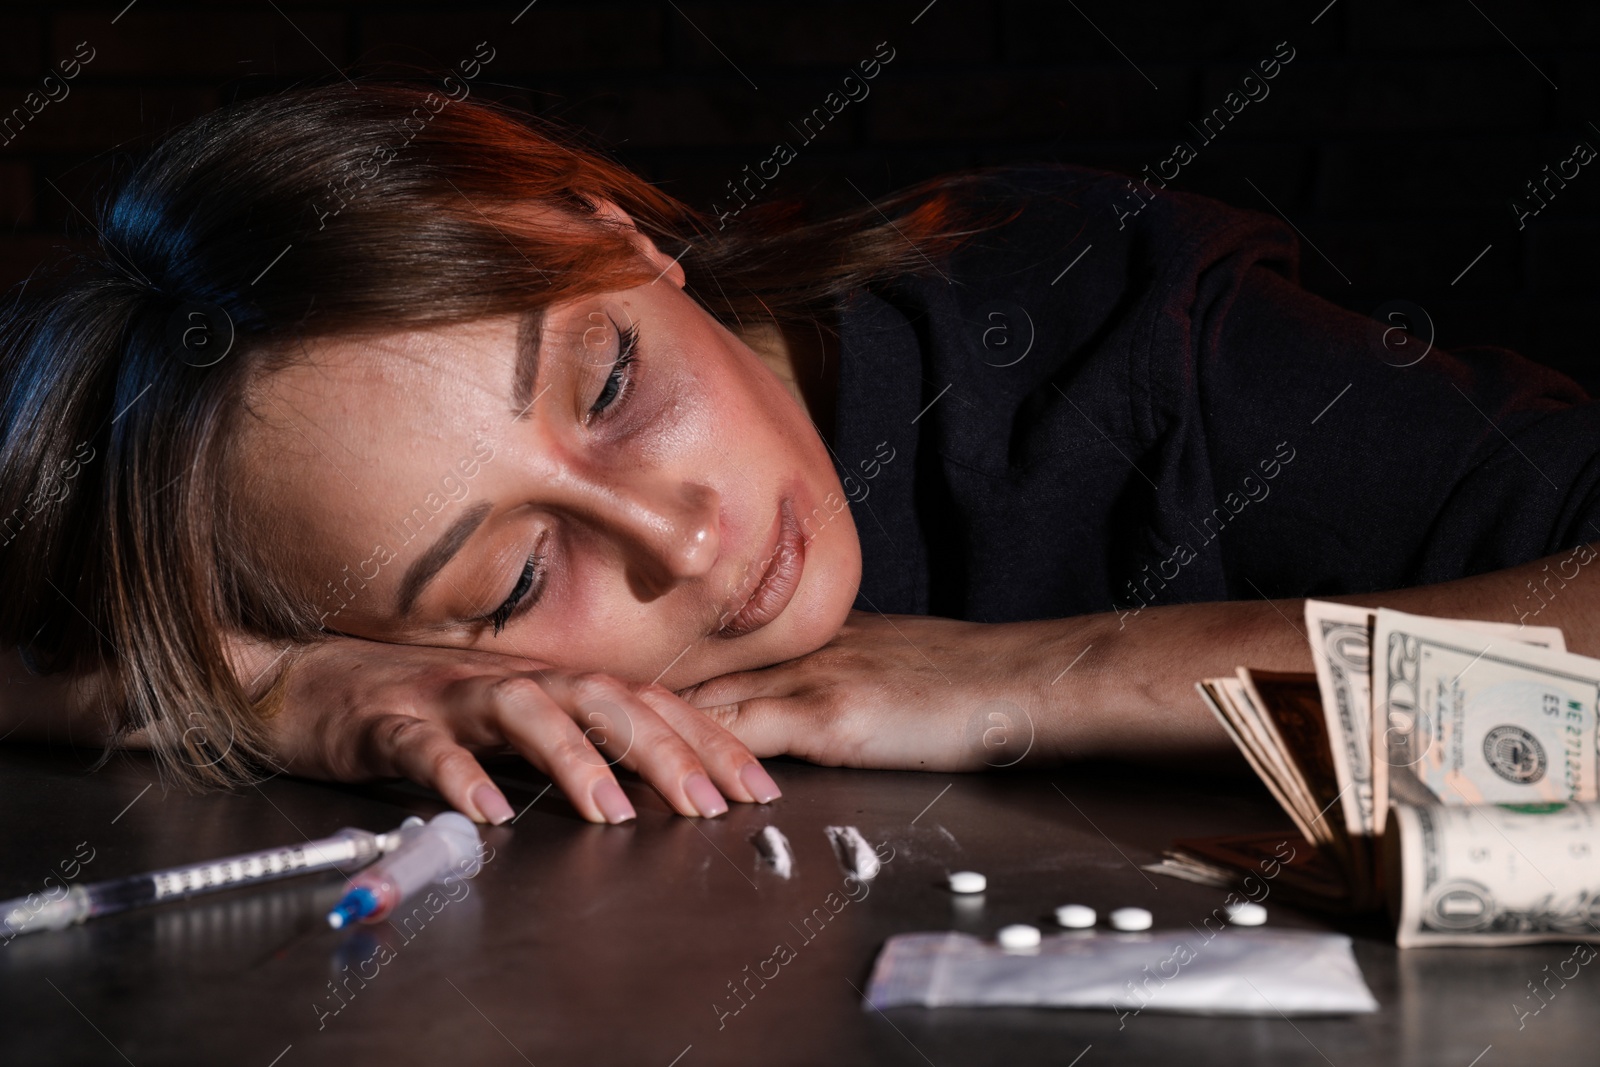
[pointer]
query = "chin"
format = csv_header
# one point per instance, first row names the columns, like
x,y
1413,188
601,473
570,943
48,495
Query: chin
x,y
821,604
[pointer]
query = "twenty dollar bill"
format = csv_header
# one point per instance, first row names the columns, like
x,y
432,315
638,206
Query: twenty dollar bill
x,y
1474,718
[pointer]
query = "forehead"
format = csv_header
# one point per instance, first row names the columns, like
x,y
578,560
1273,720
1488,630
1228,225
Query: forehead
x,y
351,428
429,367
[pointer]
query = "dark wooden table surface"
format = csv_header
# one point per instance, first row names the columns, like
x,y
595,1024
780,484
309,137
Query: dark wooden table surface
x,y
582,944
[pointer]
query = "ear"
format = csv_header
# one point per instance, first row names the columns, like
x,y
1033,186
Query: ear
x,y
669,267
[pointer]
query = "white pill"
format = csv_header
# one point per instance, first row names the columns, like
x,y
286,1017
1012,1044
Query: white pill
x,y
1247,913
1076,916
1131,919
968,882
1018,935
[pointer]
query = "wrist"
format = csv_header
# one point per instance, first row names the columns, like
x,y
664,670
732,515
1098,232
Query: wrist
x,y
1070,686
260,666
1037,680
1125,687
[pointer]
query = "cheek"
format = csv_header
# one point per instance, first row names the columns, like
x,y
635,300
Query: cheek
x,y
597,623
738,404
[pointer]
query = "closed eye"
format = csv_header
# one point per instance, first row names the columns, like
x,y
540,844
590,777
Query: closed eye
x,y
530,581
621,376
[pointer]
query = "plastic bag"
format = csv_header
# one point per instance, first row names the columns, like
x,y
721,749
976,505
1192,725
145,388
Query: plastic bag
x,y
1256,972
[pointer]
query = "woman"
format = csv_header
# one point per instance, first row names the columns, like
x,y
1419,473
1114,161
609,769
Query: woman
x,y
385,430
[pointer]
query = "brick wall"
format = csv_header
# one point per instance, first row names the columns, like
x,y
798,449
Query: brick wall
x,y
1395,140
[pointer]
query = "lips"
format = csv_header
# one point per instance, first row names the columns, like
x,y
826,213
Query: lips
x,y
780,578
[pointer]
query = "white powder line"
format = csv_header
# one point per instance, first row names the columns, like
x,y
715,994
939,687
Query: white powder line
x,y
775,850
855,855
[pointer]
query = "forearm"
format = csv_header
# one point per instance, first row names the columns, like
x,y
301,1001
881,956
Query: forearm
x,y
1122,686
54,708
73,710
1131,694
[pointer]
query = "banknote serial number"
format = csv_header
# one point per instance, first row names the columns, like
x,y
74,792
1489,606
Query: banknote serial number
x,y
1572,747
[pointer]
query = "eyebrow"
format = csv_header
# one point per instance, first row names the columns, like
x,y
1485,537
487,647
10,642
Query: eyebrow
x,y
426,566
526,372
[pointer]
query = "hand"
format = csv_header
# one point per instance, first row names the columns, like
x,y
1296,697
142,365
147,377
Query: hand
x,y
355,710
905,692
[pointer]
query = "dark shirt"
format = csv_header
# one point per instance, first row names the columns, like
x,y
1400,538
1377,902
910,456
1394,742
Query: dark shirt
x,y
1092,409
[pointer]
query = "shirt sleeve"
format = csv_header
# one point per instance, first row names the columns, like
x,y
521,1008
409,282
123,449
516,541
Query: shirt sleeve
x,y
1347,459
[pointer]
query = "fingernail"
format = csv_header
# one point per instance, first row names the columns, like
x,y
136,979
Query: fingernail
x,y
759,782
487,799
704,796
612,801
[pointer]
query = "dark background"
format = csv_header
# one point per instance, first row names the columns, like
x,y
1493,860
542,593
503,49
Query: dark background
x,y
1395,140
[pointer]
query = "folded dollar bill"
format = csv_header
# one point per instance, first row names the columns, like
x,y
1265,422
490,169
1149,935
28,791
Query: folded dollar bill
x,y
1494,874
1454,726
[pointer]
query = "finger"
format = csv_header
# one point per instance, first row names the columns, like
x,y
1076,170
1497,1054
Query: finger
x,y
768,726
424,752
740,685
733,766
544,732
634,735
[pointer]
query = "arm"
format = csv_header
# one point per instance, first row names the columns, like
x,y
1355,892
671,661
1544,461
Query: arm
x,y
347,709
353,710
1138,678
56,708
71,709
1417,466
923,693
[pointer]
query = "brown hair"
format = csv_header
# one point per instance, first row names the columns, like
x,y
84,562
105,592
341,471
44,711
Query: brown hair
x,y
327,211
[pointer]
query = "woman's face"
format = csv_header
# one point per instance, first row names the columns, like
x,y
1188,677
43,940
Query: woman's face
x,y
636,493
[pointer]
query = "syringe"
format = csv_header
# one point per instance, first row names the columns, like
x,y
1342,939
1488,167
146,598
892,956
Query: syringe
x,y
426,854
350,848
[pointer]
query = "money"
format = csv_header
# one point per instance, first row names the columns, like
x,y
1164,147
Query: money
x,y
1249,720
1278,721
1495,874
1341,650
1476,718
1462,728
1281,864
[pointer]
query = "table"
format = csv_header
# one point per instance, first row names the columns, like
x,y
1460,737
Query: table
x,y
582,944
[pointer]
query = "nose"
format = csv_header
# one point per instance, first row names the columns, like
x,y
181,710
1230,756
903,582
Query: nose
x,y
667,528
